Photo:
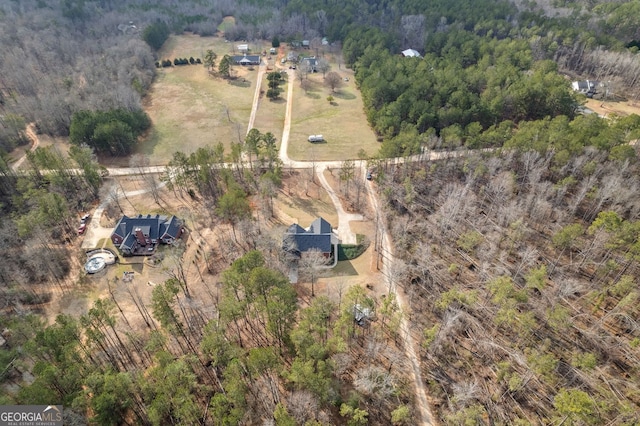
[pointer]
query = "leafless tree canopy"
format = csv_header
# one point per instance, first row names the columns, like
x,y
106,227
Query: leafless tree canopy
x,y
512,272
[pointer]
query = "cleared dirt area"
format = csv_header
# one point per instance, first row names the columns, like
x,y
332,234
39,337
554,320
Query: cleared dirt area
x,y
618,108
135,277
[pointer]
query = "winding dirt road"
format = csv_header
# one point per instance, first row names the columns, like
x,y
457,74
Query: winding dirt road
x,y
35,142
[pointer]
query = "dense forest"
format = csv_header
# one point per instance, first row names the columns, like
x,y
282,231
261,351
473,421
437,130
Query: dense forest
x,y
520,263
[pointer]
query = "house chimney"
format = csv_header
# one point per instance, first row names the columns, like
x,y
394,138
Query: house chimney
x,y
140,237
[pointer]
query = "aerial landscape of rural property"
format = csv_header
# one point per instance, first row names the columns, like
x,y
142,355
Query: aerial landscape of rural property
x,y
260,212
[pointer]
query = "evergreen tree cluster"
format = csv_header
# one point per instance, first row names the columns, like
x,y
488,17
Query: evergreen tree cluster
x,y
178,61
156,34
113,132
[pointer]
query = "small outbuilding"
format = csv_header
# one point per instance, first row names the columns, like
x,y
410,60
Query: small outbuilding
x,y
410,53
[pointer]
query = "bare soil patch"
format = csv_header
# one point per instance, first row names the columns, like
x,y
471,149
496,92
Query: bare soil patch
x,y
622,108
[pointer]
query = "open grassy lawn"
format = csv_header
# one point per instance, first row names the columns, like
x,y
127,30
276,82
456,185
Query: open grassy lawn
x,y
342,123
189,108
270,114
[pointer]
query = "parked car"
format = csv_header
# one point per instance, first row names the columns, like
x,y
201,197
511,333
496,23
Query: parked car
x,y
82,228
84,218
369,176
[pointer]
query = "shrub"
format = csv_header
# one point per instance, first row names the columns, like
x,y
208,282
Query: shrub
x,y
352,251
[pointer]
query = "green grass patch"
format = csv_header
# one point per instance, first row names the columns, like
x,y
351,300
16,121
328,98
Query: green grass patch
x,y
342,122
352,251
227,22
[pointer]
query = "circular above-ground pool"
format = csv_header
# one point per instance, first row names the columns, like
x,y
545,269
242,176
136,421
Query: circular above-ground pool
x,y
95,264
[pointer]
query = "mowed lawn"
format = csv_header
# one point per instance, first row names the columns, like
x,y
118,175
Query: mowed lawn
x,y
270,114
342,123
191,109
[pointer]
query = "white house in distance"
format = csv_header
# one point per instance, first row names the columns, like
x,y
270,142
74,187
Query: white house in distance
x,y
585,86
410,53
243,48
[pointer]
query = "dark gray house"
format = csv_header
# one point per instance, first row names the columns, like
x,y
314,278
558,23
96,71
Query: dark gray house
x,y
319,236
140,235
246,59
312,62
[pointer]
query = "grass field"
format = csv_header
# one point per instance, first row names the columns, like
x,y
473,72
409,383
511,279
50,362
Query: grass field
x,y
270,114
191,109
342,123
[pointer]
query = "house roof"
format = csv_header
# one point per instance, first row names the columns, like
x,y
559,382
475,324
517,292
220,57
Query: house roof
x,y
320,226
170,228
584,85
410,53
155,227
318,236
312,61
246,59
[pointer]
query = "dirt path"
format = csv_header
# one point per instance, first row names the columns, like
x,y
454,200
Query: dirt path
x,y
256,96
35,142
346,235
605,109
422,404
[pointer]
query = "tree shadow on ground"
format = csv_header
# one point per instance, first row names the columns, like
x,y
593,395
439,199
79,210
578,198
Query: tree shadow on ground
x,y
344,267
240,82
306,206
148,144
343,95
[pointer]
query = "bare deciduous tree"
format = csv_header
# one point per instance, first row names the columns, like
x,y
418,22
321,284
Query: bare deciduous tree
x,y
313,264
333,80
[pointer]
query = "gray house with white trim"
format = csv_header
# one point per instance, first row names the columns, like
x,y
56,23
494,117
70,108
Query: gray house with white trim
x,y
319,236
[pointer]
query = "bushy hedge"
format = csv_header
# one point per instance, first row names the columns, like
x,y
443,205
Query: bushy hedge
x,y
352,251
178,61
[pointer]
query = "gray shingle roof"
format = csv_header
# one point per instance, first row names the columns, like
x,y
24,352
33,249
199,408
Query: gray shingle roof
x,y
319,236
154,226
